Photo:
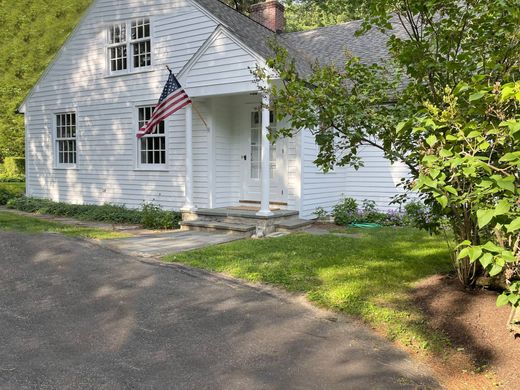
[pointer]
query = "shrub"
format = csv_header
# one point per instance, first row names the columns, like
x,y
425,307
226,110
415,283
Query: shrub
x,y
9,191
345,212
421,216
321,214
151,216
14,166
370,214
11,179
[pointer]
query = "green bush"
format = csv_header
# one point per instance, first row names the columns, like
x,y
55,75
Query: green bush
x,y
150,216
421,216
9,191
153,217
345,212
11,179
14,166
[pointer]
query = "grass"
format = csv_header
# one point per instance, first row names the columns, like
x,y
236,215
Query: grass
x,y
369,277
19,223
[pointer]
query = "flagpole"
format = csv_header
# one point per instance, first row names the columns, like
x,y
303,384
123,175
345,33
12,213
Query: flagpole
x,y
194,106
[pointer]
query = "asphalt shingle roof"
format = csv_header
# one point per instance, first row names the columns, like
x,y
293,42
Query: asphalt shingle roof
x,y
326,44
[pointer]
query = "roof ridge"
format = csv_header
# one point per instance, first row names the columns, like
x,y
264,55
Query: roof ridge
x,y
246,16
321,27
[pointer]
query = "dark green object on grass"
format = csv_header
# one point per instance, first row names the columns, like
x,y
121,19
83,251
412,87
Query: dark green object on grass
x,y
365,225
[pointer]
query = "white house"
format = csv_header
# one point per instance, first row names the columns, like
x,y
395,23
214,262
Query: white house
x,y
83,114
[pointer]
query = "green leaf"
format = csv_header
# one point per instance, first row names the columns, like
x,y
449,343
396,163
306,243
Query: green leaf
x,y
477,96
443,200
502,300
431,140
512,124
474,253
473,134
486,260
451,190
502,207
508,157
506,184
484,217
463,253
445,153
514,225
491,247
495,270
464,243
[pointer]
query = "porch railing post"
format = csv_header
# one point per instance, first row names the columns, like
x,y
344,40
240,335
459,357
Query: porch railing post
x,y
265,159
188,202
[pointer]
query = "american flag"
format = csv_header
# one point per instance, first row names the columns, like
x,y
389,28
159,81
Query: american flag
x,y
173,98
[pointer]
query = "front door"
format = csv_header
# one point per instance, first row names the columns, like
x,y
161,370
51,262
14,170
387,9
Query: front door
x,y
251,160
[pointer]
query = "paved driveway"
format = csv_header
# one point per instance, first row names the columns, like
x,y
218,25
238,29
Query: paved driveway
x,y
75,315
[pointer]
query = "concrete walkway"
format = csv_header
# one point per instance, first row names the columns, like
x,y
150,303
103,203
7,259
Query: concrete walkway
x,y
159,244
74,315
143,242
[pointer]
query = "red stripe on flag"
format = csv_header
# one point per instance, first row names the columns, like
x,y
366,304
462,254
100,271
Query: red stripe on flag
x,y
166,112
168,98
157,114
157,118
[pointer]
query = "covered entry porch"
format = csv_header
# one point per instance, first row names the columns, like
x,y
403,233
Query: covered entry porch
x,y
252,185
233,160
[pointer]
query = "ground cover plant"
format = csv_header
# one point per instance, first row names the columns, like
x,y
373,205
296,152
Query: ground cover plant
x,y
149,216
368,276
19,223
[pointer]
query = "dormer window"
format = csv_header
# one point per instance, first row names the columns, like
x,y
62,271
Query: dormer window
x,y
129,46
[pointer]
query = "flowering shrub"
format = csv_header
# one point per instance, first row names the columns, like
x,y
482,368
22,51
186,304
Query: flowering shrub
x,y
347,212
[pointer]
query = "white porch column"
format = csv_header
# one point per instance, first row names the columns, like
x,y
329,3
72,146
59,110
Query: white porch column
x,y
265,160
188,202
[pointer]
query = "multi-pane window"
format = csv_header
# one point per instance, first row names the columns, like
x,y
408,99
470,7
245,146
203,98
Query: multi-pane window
x,y
66,138
152,147
135,46
256,145
141,45
117,49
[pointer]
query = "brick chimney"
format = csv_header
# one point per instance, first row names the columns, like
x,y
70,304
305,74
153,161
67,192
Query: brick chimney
x,y
270,13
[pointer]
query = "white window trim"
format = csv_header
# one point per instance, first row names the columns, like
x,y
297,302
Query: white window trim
x,y
56,164
130,63
137,157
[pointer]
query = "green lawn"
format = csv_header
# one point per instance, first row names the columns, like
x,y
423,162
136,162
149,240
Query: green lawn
x,y
13,222
368,277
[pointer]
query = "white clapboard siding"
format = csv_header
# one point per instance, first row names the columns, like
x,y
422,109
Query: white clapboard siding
x,y
377,180
223,60
318,189
106,143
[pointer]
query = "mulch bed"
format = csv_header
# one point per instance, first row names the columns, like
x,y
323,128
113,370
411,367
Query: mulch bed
x,y
475,325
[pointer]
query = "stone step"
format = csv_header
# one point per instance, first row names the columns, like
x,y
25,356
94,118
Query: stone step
x,y
213,226
293,224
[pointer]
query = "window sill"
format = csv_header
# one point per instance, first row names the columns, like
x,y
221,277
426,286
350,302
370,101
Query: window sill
x,y
65,168
122,74
151,169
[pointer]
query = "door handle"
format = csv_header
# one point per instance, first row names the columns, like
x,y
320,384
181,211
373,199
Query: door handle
x,y
244,157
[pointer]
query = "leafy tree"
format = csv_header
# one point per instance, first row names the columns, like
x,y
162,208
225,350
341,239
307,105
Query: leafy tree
x,y
32,32
310,14
470,163
445,42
